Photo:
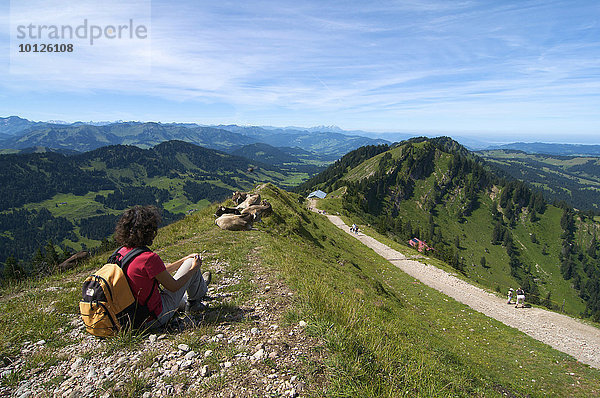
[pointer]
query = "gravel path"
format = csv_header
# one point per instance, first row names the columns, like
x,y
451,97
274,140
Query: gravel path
x,y
559,331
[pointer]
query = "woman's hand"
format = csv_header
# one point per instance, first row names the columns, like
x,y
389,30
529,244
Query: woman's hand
x,y
197,261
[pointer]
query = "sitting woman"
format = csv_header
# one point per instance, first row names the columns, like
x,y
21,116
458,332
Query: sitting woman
x,y
138,227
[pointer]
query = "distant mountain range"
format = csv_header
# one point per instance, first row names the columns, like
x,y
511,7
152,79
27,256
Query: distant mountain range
x,y
325,143
552,149
18,134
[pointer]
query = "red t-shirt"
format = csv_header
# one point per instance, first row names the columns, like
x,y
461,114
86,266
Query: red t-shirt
x,y
141,273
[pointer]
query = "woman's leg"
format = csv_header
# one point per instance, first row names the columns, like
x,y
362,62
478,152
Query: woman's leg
x,y
195,288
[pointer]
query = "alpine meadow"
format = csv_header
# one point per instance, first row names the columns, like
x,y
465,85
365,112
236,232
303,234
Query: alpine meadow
x,y
298,307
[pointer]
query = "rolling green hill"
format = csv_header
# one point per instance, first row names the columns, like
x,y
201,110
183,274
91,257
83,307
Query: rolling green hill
x,y
573,179
380,333
74,200
496,232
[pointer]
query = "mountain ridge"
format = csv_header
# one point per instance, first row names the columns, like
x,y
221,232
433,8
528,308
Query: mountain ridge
x,y
498,232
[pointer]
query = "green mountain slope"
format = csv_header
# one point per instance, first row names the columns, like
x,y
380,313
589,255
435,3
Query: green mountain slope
x,y
498,233
382,334
74,200
575,180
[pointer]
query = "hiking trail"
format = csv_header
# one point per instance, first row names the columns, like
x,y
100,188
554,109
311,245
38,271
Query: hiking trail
x,y
559,331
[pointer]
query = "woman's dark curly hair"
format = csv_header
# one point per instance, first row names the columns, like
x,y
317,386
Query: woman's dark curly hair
x,y
137,226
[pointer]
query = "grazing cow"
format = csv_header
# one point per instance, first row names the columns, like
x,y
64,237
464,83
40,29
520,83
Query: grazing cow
x,y
251,199
234,222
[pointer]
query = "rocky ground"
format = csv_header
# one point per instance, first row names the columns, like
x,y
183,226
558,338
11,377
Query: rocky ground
x,y
234,349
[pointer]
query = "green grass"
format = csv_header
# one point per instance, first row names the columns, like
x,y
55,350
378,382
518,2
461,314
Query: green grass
x,y
475,235
388,335
384,334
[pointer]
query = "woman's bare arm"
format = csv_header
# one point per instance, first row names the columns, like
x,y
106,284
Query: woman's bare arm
x,y
174,266
172,284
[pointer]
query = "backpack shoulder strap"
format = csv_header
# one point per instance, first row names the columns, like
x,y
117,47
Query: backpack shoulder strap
x,y
124,263
114,258
128,258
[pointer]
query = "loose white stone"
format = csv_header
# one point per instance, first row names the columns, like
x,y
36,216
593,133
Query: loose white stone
x,y
190,355
186,364
207,353
258,355
302,324
204,371
92,374
75,365
152,338
184,347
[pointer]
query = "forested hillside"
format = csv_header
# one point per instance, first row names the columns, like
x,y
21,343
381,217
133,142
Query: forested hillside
x,y
494,230
573,179
51,203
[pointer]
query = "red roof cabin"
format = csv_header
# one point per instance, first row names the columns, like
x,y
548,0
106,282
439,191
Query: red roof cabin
x,y
419,244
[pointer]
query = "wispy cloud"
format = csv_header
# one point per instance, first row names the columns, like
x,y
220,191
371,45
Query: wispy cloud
x,y
430,65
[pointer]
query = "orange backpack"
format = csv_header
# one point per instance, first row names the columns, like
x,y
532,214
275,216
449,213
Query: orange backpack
x,y
107,303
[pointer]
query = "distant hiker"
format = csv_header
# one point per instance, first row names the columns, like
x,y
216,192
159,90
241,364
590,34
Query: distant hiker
x,y
353,228
520,298
138,227
510,295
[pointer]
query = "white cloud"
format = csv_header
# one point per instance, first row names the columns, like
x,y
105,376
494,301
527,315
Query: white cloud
x,y
417,61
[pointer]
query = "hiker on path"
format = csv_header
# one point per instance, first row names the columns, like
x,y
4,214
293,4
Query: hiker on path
x,y
520,298
138,227
510,295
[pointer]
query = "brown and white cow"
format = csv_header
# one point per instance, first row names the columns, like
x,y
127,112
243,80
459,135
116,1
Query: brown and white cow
x,y
235,222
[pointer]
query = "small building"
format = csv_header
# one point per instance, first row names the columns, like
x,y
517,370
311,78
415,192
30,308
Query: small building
x,y
317,194
419,245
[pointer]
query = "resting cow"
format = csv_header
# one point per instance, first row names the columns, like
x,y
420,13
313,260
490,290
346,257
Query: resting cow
x,y
251,199
263,209
235,222
238,197
226,210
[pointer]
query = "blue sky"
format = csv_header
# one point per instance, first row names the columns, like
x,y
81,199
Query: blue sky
x,y
503,70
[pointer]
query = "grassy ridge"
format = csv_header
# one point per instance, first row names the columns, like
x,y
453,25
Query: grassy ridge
x,y
389,335
432,214
386,334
